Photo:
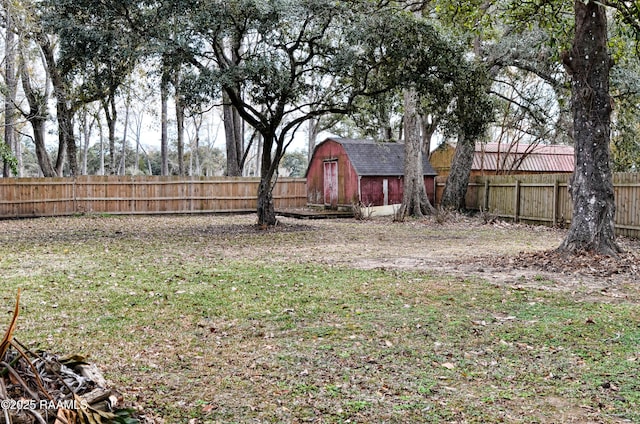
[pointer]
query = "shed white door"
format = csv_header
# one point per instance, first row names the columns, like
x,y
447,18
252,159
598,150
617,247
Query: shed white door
x,y
331,184
385,191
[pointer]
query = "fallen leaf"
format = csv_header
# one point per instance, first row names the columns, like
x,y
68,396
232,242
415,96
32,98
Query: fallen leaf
x,y
208,408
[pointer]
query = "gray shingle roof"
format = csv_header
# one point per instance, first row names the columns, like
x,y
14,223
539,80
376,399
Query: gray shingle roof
x,y
371,158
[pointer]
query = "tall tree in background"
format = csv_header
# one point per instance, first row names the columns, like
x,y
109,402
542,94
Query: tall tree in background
x,y
453,89
234,137
93,55
588,63
180,105
233,124
11,82
472,118
36,81
164,123
37,114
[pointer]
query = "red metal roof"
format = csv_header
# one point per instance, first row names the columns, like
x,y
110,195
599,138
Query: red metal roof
x,y
523,157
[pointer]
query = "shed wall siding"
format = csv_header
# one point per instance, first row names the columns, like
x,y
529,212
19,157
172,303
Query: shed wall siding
x,y
373,193
347,178
350,184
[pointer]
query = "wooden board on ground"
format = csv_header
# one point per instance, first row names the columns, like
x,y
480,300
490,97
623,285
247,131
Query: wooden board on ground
x,y
314,213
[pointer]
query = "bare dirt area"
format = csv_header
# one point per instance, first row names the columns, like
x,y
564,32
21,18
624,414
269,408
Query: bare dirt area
x,y
464,247
500,252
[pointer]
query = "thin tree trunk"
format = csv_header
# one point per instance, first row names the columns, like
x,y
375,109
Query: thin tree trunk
x,y
122,168
136,157
11,87
86,136
72,147
111,115
428,129
138,131
259,149
414,198
164,140
195,146
180,108
101,130
588,63
312,136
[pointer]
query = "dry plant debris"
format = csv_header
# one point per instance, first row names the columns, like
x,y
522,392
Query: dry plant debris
x,y
582,263
43,388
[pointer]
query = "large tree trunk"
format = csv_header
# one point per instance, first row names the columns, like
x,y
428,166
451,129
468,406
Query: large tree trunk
x,y
268,175
66,137
38,127
266,209
455,189
234,137
66,125
588,63
414,198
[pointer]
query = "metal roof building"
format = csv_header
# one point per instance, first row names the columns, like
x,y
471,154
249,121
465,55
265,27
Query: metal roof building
x,y
504,159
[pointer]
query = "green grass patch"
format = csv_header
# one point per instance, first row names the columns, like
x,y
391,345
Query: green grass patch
x,y
187,332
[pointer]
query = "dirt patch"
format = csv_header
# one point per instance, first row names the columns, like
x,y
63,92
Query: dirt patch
x,y
501,253
237,229
462,247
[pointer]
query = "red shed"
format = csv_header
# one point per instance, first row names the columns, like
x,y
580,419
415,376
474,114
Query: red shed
x,y
344,171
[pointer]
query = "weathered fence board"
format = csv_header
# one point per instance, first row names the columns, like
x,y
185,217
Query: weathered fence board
x,y
545,199
30,197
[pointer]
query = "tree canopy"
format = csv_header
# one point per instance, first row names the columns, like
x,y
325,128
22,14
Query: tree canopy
x,y
267,57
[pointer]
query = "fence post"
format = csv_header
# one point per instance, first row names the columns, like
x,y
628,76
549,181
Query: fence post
x,y
74,195
554,218
516,213
486,195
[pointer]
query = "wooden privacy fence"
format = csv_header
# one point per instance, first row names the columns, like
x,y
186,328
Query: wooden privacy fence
x,y
31,197
545,199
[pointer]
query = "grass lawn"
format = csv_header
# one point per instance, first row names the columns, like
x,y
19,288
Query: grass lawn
x,y
206,320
